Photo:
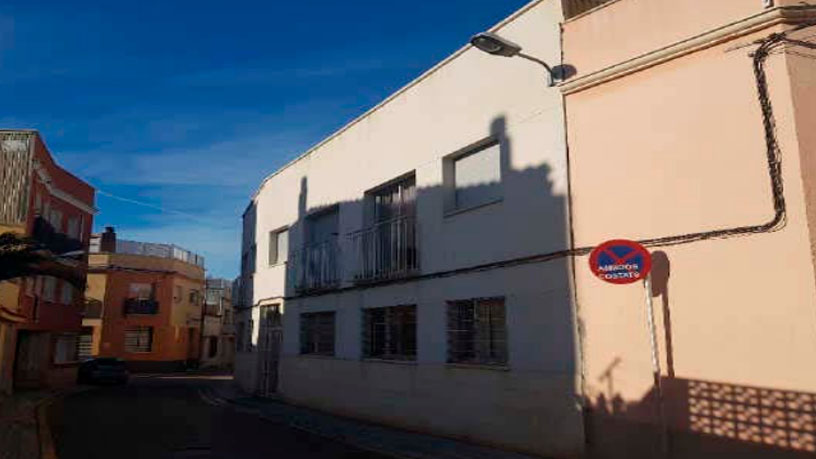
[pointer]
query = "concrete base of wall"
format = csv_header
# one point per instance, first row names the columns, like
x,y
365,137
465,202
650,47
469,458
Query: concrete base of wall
x,y
524,411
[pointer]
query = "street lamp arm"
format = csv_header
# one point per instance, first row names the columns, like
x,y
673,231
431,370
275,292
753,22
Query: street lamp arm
x,y
550,72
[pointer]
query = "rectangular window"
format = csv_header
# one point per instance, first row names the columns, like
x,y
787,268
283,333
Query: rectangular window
x,y
56,220
278,246
194,297
72,229
477,177
67,293
317,333
395,200
141,291
323,226
49,288
390,333
66,348
476,332
139,339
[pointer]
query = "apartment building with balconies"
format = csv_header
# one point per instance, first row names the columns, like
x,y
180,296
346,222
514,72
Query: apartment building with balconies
x,y
218,332
397,271
145,303
40,316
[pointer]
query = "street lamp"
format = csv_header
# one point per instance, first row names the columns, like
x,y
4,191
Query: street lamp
x,y
498,46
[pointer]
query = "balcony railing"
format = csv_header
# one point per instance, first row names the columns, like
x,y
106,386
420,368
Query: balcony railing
x,y
573,8
139,306
315,266
386,250
92,309
54,241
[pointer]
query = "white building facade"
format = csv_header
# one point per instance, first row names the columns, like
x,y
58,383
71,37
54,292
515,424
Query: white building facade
x,y
402,271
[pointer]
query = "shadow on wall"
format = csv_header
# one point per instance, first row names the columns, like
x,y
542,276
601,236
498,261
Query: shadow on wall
x,y
398,232
704,418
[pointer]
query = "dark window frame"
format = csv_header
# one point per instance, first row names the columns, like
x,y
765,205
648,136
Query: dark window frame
x,y
390,333
318,332
477,331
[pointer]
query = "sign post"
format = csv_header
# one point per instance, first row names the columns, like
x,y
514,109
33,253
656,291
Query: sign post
x,y
625,262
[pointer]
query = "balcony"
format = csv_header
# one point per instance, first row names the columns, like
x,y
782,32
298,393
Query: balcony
x,y
92,309
387,250
53,240
142,307
315,267
573,8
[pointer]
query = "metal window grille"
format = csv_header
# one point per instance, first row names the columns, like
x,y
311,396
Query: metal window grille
x,y
477,332
139,339
390,333
85,345
15,176
317,333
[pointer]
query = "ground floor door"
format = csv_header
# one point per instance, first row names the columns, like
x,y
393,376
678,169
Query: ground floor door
x,y
270,333
31,359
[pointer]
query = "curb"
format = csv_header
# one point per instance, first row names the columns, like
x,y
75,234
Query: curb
x,y
47,449
44,435
337,438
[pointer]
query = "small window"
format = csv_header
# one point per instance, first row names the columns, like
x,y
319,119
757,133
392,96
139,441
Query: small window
x,y
278,246
178,295
67,293
72,228
56,220
30,281
141,291
317,333
390,333
477,332
475,177
66,348
194,297
139,339
49,288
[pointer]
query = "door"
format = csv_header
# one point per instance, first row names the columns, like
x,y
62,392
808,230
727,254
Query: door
x,y
270,333
30,362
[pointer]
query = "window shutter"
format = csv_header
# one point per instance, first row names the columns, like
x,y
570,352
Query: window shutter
x,y
273,247
282,246
477,177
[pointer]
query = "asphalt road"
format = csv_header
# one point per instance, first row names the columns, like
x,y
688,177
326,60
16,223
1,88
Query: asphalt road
x,y
161,418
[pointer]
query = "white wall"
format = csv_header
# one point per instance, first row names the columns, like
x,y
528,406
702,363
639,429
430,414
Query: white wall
x,y
530,406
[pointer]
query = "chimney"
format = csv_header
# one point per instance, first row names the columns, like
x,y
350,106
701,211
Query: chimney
x,y
108,240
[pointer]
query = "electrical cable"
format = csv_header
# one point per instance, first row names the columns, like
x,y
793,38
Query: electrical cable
x,y
766,47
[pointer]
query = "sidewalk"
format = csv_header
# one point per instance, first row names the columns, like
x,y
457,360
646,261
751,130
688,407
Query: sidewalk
x,y
375,438
19,435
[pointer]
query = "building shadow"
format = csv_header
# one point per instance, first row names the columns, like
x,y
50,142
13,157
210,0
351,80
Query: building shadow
x,y
703,419
520,222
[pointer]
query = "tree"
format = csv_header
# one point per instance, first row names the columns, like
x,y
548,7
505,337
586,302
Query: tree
x,y
22,257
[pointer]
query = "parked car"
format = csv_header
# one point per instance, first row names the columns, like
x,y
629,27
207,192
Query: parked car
x,y
103,370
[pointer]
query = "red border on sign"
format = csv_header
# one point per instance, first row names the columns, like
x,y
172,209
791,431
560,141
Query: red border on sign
x,y
637,249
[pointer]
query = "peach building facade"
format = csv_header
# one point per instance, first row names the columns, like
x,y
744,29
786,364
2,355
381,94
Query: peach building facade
x,y
670,135
145,304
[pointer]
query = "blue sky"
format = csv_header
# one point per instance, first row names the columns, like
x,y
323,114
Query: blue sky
x,y
184,106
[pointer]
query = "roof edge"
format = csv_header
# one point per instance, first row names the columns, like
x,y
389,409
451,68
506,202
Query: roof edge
x,y
392,96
